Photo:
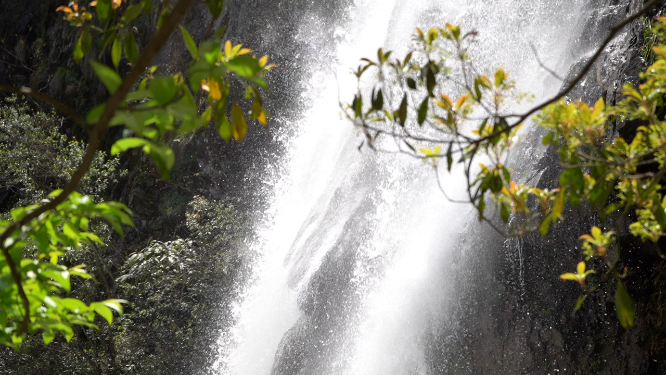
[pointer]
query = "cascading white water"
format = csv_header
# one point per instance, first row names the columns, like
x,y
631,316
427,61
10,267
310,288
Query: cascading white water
x,y
353,269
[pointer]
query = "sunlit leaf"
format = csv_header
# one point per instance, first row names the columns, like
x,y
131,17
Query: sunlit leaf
x,y
125,144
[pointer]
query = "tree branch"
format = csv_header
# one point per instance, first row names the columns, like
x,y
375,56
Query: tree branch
x,y
27,91
613,32
156,43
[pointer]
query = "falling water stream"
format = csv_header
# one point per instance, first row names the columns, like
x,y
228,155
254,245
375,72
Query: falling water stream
x,y
353,267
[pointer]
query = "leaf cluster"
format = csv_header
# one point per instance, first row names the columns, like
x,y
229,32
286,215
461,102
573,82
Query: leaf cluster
x,y
33,283
440,101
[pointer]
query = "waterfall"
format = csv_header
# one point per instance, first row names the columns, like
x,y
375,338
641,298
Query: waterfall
x,y
354,266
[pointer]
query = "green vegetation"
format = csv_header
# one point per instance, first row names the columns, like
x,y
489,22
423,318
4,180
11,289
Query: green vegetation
x,y
46,231
175,290
427,103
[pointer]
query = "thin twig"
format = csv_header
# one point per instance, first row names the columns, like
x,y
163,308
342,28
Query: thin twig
x,y
542,65
613,32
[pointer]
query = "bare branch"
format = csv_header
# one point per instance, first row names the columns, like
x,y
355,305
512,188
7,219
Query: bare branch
x,y
542,65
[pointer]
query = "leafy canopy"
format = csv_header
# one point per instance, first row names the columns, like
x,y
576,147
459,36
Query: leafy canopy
x,y
152,108
425,105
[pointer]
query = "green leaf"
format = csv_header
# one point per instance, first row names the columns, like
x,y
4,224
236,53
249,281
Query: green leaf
x,y
545,225
258,112
18,213
132,12
660,216
116,51
164,14
131,48
245,66
481,207
221,121
95,114
423,111
215,7
48,336
74,304
103,310
115,304
580,301
86,42
411,83
238,122
504,212
357,104
41,239
60,276
163,157
163,89
103,9
548,138
449,156
139,95
125,144
189,43
500,75
431,80
624,307
378,101
219,32
402,111
80,272
79,48
147,5
108,76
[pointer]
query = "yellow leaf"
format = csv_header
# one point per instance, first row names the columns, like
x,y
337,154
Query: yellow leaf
x,y
244,51
93,4
63,8
215,91
227,48
263,61
262,118
580,269
236,49
568,276
598,107
238,122
445,99
461,101
115,4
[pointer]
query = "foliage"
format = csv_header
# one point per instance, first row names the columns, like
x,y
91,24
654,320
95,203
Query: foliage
x,y
35,157
175,288
152,109
428,102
